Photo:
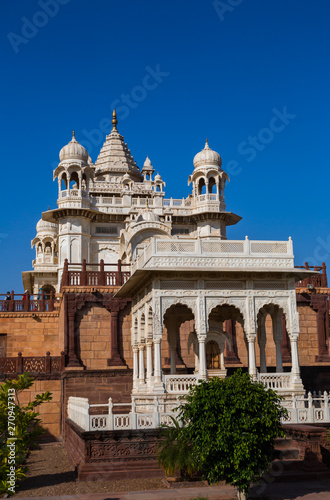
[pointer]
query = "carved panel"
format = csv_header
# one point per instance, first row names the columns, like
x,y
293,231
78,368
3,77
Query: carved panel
x,y
190,302
240,304
282,302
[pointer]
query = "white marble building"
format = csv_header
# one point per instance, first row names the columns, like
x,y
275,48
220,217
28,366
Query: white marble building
x,y
179,256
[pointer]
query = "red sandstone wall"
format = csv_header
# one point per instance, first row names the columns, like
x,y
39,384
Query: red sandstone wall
x,y
93,324
49,412
93,329
307,343
31,336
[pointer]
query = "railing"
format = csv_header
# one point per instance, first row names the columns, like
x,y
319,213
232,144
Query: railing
x,y
74,193
309,409
272,253
84,277
27,302
79,411
208,197
179,384
32,364
172,202
276,381
317,280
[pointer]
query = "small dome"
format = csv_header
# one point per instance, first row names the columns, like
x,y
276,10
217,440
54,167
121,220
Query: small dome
x,y
148,216
126,177
147,164
158,177
44,225
207,157
74,151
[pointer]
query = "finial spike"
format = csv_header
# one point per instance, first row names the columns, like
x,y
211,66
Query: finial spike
x,y
114,120
207,144
73,134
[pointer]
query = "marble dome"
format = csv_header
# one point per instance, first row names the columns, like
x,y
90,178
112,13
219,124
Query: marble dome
x,y
207,157
74,151
44,225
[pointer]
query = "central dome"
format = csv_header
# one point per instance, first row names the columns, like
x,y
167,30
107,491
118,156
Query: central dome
x,y
207,157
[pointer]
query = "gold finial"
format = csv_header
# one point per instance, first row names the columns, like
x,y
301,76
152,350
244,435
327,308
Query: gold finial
x,y
73,134
114,120
207,144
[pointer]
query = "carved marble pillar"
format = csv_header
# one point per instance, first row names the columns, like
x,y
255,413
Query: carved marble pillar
x,y
295,358
135,365
297,385
251,338
222,360
286,355
157,360
149,361
202,358
141,364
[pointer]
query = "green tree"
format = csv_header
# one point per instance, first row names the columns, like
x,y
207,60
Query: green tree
x,y
231,425
20,427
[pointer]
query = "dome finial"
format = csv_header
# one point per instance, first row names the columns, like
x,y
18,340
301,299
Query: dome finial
x,y
73,134
114,120
207,144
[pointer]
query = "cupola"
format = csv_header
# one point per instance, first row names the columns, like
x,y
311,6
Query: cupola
x,y
74,151
207,157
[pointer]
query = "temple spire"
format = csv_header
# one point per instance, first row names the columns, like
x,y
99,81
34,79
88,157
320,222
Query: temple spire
x,y
114,120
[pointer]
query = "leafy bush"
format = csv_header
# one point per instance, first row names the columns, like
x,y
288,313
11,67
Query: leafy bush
x,y
20,427
175,452
231,425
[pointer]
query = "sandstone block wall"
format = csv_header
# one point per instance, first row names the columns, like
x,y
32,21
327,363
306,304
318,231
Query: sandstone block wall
x,y
93,330
49,412
31,336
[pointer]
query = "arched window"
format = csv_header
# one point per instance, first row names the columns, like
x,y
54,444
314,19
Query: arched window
x,y
212,355
47,290
64,182
74,181
212,186
201,186
158,187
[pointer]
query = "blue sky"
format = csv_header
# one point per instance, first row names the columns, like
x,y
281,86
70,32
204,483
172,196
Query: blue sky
x,y
252,76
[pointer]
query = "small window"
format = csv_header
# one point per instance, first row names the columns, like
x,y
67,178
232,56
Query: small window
x,y
180,230
106,230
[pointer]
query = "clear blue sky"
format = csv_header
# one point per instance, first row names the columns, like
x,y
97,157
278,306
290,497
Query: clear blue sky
x,y
225,73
